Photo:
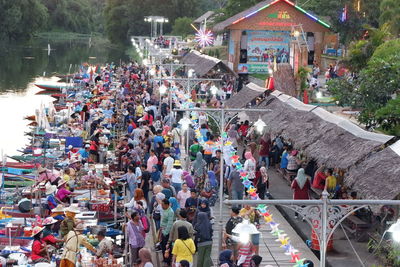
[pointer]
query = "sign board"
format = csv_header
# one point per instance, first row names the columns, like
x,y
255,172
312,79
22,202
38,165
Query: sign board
x,y
264,47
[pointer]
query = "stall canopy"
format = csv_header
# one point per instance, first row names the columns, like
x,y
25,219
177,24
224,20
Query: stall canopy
x,y
336,142
203,64
329,139
377,176
205,17
245,96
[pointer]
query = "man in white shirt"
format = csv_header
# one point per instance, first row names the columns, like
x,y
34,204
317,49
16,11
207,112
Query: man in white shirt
x,y
167,164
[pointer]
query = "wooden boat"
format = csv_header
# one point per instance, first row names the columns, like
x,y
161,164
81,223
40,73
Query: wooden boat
x,y
53,86
58,95
20,165
14,184
45,92
30,118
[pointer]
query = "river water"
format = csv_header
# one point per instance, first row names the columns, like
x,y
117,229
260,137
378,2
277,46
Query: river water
x,y
22,66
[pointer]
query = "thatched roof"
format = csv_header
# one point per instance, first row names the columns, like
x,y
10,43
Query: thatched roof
x,y
205,16
202,64
284,79
378,175
329,139
248,93
222,25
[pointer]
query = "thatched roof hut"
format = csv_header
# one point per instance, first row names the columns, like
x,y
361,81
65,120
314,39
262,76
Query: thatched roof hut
x,y
378,175
329,139
245,96
203,64
372,171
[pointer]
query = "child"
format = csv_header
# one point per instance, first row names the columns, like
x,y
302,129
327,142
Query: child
x,y
244,254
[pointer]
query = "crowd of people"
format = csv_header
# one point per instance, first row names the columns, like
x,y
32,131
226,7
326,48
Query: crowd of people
x,y
167,189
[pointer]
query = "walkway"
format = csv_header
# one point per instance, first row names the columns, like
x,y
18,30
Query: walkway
x,y
269,249
342,255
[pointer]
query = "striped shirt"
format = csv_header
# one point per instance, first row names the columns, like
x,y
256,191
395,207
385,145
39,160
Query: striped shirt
x,y
245,251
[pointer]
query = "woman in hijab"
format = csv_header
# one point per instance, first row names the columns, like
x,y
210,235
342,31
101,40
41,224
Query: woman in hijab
x,y
212,179
226,258
188,180
263,183
199,170
174,204
204,206
301,187
250,165
233,136
145,258
155,175
204,233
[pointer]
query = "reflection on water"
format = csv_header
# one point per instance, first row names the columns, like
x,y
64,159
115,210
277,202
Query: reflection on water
x,y
21,66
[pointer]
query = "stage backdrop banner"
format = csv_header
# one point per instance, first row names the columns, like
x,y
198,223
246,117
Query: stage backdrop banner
x,y
263,47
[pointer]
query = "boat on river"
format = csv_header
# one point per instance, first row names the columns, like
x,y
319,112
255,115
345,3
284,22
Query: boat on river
x,y
54,86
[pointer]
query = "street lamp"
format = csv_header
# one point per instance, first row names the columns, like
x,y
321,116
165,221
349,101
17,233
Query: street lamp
x,y
190,73
244,230
395,230
260,124
214,90
163,89
185,122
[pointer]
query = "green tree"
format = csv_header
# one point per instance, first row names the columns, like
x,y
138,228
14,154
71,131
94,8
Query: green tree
x,y
117,23
182,26
375,86
388,117
20,19
362,50
390,14
70,15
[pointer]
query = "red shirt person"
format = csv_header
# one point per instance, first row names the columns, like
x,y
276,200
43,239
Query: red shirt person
x,y
319,179
301,186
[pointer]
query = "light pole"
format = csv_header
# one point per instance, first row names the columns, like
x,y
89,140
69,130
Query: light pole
x,y
319,212
222,126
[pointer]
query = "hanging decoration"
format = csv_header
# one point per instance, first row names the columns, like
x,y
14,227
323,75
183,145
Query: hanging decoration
x,y
203,36
224,144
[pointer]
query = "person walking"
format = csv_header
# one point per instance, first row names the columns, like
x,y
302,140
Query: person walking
x,y
182,221
235,185
184,248
250,165
300,187
167,220
136,240
203,238
263,183
199,171
183,195
73,241
177,176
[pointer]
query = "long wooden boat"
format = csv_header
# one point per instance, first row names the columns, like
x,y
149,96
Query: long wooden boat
x,y
53,86
20,165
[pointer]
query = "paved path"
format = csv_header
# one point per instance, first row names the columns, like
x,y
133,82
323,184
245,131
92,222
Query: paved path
x,y
269,249
342,255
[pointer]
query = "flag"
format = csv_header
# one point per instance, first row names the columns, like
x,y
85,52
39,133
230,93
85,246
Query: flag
x,y
344,14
